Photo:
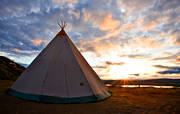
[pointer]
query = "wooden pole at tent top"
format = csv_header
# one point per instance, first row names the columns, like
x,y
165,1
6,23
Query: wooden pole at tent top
x,y
62,24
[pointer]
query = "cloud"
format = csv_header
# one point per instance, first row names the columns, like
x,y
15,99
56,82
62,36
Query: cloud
x,y
144,42
38,41
135,74
60,1
147,24
131,7
104,21
14,8
177,60
138,56
98,67
15,50
86,15
161,66
175,37
168,57
151,25
75,13
109,23
96,46
112,63
171,69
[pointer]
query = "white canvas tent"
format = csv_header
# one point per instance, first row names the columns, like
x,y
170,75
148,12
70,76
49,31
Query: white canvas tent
x,y
60,74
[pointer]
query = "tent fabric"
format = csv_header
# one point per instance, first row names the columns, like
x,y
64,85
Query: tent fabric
x,y
61,74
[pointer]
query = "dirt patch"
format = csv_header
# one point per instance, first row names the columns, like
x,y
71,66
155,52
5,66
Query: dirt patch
x,y
123,100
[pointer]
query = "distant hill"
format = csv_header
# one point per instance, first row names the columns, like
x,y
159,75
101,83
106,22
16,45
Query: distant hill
x,y
9,70
164,81
24,65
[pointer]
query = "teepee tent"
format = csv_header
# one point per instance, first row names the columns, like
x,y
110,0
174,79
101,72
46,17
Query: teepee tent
x,y
60,74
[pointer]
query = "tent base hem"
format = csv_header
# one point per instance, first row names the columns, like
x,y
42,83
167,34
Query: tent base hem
x,y
53,99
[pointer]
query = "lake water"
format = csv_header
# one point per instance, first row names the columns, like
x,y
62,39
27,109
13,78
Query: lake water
x,y
131,86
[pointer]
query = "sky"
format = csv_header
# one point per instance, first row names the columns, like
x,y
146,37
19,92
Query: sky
x,y
120,39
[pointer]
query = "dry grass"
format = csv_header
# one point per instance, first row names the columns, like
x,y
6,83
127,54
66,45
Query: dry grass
x,y
123,100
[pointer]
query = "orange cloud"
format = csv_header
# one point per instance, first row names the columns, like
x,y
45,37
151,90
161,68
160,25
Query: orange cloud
x,y
15,50
95,46
117,31
104,22
38,41
149,26
175,37
146,25
177,60
109,23
95,18
105,48
86,15
144,43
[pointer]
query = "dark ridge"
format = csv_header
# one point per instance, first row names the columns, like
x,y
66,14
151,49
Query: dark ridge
x,y
160,82
9,70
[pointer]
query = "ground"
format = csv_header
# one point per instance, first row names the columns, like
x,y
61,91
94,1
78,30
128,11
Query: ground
x,y
123,100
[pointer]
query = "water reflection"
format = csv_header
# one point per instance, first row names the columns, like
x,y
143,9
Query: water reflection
x,y
144,86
